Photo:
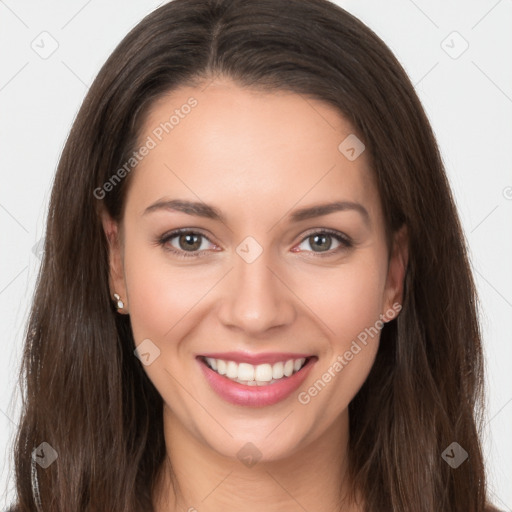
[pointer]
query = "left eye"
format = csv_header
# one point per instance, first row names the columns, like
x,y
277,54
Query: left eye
x,y
323,241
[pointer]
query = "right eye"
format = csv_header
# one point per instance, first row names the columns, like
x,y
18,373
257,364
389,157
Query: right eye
x,y
187,243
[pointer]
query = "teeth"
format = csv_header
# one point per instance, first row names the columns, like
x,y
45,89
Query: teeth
x,y
288,367
246,372
221,365
232,370
277,370
259,375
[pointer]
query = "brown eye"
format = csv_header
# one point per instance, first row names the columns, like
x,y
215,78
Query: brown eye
x,y
189,241
185,243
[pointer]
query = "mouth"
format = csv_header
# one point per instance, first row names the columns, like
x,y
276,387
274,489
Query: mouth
x,y
255,385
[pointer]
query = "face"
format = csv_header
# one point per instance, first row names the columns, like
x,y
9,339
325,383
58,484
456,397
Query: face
x,y
221,254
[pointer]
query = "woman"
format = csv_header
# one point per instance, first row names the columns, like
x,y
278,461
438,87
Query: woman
x,y
255,292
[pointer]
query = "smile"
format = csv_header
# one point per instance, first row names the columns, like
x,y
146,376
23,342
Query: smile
x,y
260,385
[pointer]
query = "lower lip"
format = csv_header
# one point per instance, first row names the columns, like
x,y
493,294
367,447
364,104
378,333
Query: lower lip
x,y
255,396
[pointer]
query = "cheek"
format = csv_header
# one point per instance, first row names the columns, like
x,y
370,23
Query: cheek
x,y
160,293
346,299
349,304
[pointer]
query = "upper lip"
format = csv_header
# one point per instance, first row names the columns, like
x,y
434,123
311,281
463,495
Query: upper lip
x,y
254,359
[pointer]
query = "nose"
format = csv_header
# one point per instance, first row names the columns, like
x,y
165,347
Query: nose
x,y
256,297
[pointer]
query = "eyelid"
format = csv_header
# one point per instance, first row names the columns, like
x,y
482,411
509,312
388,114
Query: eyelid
x,y
329,231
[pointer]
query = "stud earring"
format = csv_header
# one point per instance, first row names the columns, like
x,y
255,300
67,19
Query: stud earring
x,y
120,303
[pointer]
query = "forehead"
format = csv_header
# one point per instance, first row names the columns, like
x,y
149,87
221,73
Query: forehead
x,y
249,150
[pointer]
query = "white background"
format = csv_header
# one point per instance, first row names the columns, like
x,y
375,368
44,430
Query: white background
x,y
468,100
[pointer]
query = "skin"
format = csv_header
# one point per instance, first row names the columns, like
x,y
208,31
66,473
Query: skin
x,y
257,157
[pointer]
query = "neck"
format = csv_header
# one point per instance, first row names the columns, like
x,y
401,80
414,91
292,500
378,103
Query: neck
x,y
195,477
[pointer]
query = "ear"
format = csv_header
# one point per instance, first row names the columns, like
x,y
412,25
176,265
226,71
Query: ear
x,y
394,289
116,280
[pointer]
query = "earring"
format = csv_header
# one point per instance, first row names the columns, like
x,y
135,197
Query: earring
x,y
120,303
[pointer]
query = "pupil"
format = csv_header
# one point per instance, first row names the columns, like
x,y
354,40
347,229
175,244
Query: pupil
x,y
190,241
321,240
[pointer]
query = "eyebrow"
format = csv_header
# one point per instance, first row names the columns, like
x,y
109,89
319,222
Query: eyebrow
x,y
190,207
210,212
325,209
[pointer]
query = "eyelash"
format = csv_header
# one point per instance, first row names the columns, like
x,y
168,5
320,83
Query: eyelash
x,y
345,241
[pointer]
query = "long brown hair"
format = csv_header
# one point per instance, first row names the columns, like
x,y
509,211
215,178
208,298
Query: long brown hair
x,y
88,397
